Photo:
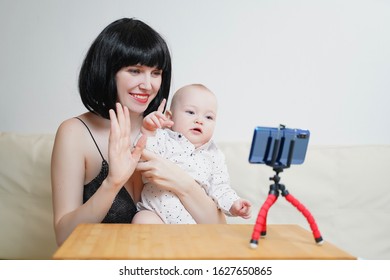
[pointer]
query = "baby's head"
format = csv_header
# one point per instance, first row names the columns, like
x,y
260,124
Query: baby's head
x,y
194,111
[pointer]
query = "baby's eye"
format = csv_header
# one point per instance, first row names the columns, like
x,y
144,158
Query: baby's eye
x,y
210,118
190,112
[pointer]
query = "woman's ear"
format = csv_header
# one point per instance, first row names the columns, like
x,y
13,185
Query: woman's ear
x,y
168,114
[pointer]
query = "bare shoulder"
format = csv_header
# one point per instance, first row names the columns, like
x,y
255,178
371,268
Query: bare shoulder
x,y
70,128
75,135
72,133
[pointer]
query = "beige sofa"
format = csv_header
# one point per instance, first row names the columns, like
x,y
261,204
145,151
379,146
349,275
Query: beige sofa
x,y
345,188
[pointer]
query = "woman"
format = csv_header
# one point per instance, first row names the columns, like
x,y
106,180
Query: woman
x,y
125,75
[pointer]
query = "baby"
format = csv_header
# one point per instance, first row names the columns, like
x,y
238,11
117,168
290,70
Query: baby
x,y
188,143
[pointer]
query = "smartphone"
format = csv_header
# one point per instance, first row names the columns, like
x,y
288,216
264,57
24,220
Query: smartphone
x,y
279,146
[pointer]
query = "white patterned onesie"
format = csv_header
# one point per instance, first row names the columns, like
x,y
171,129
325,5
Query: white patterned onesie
x,y
205,164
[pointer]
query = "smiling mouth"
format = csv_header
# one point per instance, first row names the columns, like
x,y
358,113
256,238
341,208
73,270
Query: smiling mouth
x,y
141,98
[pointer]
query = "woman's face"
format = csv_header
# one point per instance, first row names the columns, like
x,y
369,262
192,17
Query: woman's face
x,y
137,86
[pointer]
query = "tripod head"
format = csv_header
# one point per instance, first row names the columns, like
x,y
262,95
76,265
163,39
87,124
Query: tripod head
x,y
276,187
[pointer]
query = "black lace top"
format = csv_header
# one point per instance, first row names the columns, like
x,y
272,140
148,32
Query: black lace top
x,y
123,208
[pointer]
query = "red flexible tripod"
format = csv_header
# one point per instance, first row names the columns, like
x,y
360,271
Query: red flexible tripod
x,y
261,222
260,227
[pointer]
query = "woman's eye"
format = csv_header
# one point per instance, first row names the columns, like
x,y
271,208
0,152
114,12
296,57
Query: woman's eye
x,y
157,73
134,71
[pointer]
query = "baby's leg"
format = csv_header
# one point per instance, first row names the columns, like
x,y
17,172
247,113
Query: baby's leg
x,y
146,217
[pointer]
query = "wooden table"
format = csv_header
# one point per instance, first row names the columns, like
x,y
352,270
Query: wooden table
x,y
191,242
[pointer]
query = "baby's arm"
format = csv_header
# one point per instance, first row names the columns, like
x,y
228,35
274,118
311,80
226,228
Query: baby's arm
x,y
155,120
242,208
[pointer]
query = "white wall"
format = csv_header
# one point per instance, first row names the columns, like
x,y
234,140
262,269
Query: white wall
x,y
318,65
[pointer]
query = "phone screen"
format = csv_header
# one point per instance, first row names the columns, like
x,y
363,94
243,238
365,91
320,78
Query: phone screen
x,y
272,146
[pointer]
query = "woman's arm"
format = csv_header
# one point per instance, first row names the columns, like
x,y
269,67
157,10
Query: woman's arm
x,y
67,177
169,176
201,207
68,173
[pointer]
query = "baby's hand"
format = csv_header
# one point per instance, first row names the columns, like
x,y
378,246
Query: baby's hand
x,y
242,208
155,120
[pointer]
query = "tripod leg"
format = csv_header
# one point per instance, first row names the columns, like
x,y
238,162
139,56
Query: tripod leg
x,y
263,232
261,220
308,216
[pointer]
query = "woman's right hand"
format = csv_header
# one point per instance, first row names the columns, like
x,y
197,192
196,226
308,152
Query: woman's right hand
x,y
122,157
164,174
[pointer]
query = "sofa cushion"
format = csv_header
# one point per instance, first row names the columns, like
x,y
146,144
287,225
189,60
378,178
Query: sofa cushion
x,y
26,218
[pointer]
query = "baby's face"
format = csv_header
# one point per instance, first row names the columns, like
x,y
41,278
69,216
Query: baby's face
x,y
194,115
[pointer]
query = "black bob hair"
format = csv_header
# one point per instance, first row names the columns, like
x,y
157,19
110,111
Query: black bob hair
x,y
124,42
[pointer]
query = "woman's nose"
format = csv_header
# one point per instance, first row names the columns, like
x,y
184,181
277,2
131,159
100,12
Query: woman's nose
x,y
146,82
